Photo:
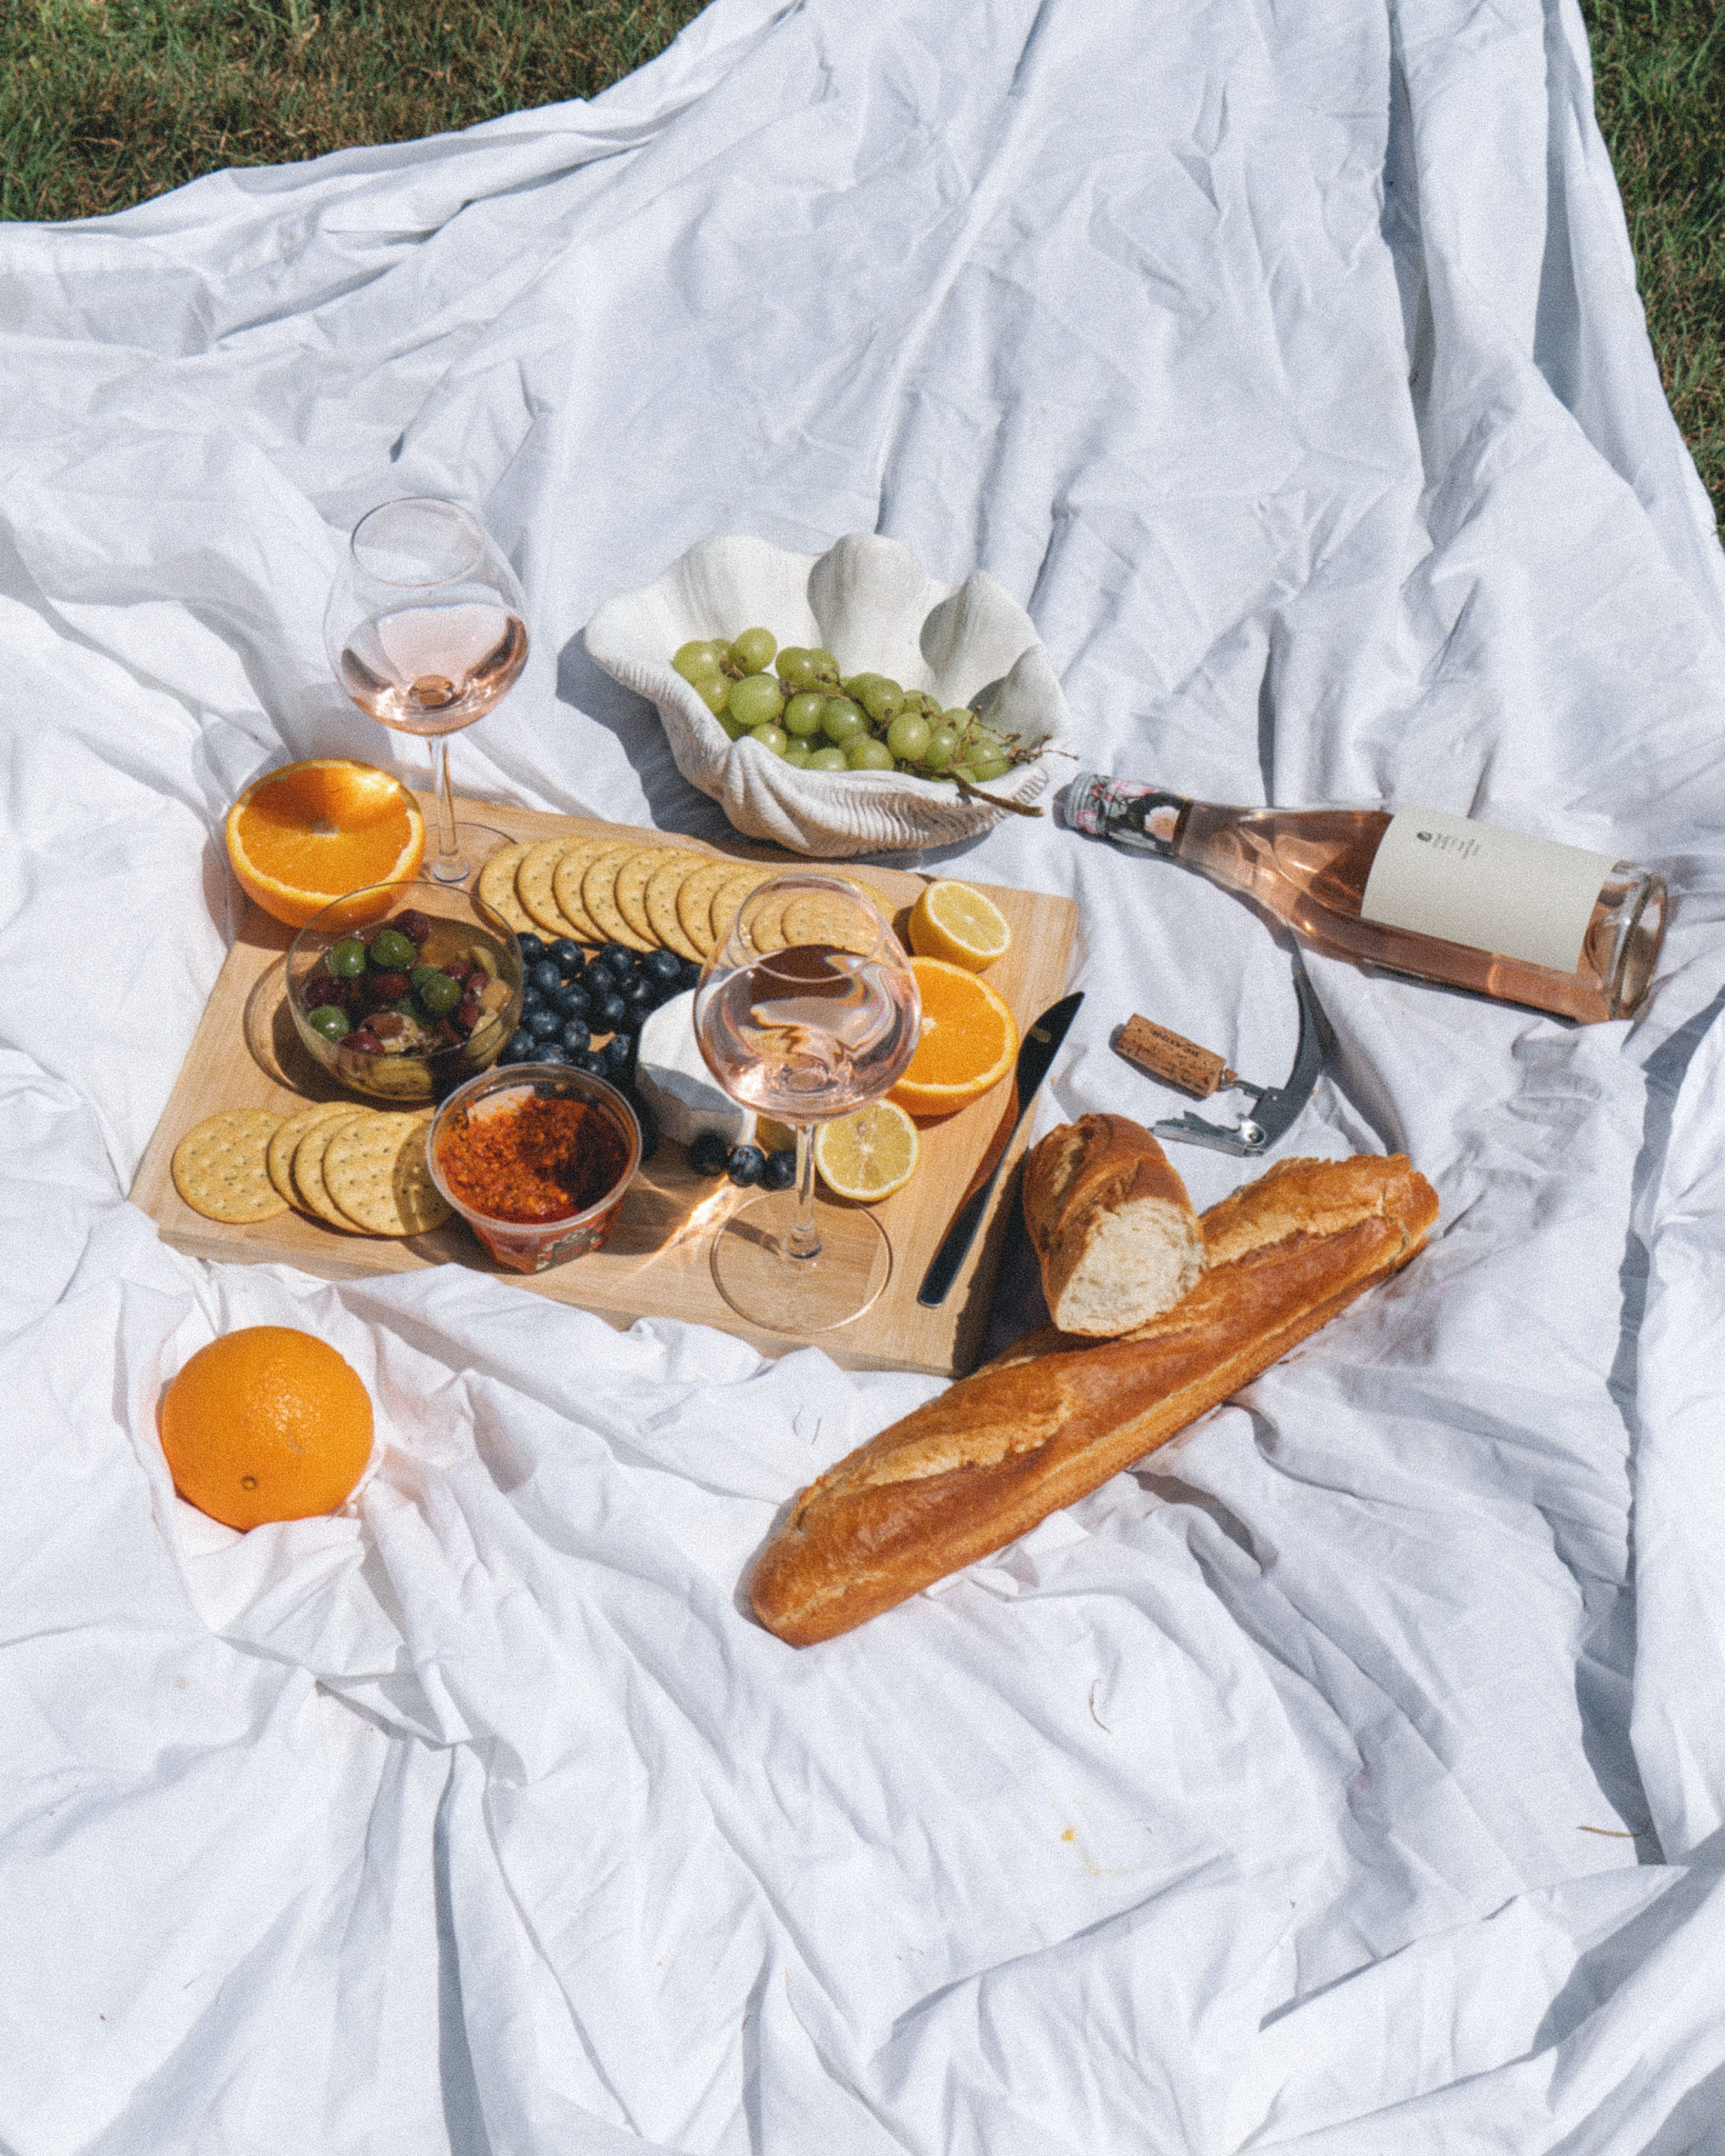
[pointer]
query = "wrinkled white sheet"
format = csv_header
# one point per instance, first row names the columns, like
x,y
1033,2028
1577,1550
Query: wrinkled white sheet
x,y
1349,1777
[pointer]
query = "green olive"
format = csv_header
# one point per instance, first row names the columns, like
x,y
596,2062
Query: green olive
x,y
390,952
438,992
347,960
331,1022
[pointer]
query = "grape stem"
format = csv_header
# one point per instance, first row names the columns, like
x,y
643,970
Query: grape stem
x,y
994,800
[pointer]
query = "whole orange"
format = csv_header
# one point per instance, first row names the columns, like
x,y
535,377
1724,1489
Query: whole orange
x,y
301,837
266,1424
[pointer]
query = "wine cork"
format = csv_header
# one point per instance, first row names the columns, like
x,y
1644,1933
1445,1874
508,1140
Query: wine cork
x,y
1172,1057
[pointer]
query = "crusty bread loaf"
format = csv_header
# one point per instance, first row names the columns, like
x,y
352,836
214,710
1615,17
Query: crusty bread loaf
x,y
1054,1418
1111,1225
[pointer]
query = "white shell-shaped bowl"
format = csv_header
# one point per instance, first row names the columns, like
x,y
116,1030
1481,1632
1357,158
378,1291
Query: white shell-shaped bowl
x,y
872,604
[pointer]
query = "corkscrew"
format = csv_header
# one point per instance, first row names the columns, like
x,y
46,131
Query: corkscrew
x,y
1179,1062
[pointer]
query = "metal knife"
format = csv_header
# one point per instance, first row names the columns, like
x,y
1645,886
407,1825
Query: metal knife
x,y
1041,1043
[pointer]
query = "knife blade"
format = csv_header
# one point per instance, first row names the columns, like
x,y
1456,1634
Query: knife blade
x,y
1040,1045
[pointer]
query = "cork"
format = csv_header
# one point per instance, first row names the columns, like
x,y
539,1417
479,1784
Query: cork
x,y
1172,1057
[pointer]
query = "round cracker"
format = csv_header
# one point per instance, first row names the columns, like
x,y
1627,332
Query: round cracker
x,y
566,885
308,1168
730,895
829,918
279,1159
598,889
661,900
377,1172
766,926
221,1167
695,903
533,886
496,887
631,888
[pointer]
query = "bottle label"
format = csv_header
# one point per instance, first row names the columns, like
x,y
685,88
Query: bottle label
x,y
1143,818
1436,874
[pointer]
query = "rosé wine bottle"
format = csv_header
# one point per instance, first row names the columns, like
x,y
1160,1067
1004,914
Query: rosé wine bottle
x,y
1417,891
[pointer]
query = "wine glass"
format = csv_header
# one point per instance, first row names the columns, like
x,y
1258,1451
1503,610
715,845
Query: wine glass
x,y
807,1010
426,630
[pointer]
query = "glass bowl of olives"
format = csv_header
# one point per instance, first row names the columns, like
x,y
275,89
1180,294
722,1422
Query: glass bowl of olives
x,y
404,991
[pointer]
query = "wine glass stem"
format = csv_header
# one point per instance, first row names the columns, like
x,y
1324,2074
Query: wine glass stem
x,y
449,867
802,1240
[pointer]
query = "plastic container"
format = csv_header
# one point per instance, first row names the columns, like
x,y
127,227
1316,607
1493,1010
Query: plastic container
x,y
530,1246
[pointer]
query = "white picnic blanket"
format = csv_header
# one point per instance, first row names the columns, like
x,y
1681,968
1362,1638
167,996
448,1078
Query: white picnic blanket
x,y
1349,1777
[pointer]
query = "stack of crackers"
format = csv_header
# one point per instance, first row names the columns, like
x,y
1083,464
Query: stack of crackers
x,y
361,1169
647,898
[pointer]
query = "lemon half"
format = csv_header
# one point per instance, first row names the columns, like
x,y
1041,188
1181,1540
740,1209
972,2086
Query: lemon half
x,y
868,1155
955,922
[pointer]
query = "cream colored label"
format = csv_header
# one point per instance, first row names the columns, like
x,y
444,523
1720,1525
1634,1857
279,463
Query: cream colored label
x,y
1471,883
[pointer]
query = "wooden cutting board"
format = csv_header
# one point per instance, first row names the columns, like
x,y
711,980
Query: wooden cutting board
x,y
246,1055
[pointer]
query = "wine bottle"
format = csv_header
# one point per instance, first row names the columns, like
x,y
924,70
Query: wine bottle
x,y
1415,890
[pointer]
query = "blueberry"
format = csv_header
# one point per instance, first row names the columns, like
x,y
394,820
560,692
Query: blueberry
x,y
618,958
592,1061
689,971
617,1052
598,979
609,1012
532,949
642,996
665,966
531,1000
573,1001
575,1036
544,976
748,1165
521,1044
543,1024
549,1052
567,954
710,1154
781,1170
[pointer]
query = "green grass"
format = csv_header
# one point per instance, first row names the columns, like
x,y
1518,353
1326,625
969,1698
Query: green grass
x,y
1659,91
105,102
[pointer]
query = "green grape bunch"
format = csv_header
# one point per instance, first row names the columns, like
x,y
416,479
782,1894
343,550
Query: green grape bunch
x,y
805,711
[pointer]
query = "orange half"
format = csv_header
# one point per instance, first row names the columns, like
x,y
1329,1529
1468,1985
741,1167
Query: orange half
x,y
969,1039
302,837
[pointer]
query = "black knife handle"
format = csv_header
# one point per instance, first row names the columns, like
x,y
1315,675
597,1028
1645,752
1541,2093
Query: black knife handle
x,y
938,1281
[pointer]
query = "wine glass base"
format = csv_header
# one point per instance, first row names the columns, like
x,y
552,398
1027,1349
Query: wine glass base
x,y
475,846
763,1284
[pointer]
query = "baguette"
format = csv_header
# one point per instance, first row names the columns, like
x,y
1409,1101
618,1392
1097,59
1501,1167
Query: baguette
x,y
1112,1226
1055,1417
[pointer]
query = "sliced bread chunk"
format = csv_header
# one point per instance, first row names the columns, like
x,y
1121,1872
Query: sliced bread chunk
x,y
1112,1226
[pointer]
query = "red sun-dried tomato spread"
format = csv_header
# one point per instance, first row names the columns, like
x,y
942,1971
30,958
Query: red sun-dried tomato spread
x,y
531,1159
